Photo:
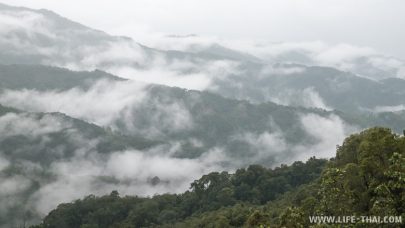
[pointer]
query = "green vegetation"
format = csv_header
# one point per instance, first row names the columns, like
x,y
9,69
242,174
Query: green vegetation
x,y
252,186
43,139
367,177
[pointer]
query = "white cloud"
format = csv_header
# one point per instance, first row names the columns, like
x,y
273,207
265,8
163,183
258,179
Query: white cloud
x,y
116,104
328,131
308,98
280,70
332,21
342,53
124,52
4,163
129,171
23,21
396,108
197,81
102,104
12,124
265,145
401,73
74,46
86,171
10,186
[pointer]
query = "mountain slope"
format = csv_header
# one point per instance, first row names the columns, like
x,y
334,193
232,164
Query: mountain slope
x,y
313,86
197,121
18,76
34,145
286,196
254,185
43,37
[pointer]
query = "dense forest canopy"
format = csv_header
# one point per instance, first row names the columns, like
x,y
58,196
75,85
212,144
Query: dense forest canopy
x,y
367,177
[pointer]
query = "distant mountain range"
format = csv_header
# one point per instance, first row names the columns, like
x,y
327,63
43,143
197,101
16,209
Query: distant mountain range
x,y
43,37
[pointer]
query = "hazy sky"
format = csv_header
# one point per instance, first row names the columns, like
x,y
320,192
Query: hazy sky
x,y
376,23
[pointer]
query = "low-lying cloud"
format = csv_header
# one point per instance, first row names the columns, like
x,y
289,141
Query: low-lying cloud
x,y
364,61
154,170
102,104
109,104
73,167
396,108
307,98
41,184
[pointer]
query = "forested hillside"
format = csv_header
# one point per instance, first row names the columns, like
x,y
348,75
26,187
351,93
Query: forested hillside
x,y
365,178
184,130
80,121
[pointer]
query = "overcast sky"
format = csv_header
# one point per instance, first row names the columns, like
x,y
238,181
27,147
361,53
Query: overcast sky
x,y
375,23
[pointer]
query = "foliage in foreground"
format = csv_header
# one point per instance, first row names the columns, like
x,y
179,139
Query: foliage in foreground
x,y
367,177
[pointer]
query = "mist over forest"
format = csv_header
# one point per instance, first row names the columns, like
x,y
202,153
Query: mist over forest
x,y
185,130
